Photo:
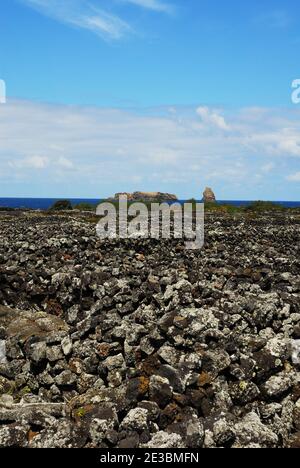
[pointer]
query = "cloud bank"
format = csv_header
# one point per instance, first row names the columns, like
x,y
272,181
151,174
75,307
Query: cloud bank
x,y
95,151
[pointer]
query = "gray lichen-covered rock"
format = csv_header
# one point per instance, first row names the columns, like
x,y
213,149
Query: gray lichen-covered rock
x,y
136,420
278,384
14,435
163,440
251,431
103,424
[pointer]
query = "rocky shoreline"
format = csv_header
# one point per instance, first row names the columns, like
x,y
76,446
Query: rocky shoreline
x,y
141,343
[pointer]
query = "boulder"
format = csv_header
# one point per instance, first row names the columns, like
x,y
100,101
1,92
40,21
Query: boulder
x,y
209,196
22,325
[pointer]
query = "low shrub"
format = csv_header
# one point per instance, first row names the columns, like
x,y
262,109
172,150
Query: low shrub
x,y
85,206
62,205
264,206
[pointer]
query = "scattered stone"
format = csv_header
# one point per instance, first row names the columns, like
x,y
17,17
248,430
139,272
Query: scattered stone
x,y
66,378
223,433
67,346
163,440
160,390
136,420
102,426
37,352
277,385
251,431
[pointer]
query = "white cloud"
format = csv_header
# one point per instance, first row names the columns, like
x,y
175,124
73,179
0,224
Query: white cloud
x,y
267,168
65,163
294,177
87,14
156,5
289,145
213,118
32,162
83,14
278,141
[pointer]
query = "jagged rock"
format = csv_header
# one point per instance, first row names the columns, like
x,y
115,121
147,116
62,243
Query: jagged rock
x,y
243,392
2,350
189,427
66,378
209,196
251,432
6,401
62,434
215,362
136,420
67,346
278,384
54,354
177,378
102,425
163,440
39,414
294,441
223,433
296,415
160,390
6,385
153,410
22,325
37,352
14,435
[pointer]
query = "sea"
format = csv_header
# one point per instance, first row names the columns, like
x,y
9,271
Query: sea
x,y
46,203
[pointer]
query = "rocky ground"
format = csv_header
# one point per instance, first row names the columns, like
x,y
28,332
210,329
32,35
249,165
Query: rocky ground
x,y
146,344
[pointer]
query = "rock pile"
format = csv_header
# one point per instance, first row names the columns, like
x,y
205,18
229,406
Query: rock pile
x,y
141,343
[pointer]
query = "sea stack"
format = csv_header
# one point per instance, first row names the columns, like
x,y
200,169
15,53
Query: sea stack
x,y
209,196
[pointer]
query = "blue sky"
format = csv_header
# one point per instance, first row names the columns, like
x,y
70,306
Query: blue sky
x,y
169,95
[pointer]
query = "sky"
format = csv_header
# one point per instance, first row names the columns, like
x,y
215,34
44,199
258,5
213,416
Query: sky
x,y
106,96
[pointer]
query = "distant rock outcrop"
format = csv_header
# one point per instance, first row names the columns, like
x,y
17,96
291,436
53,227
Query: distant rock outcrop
x,y
209,196
147,196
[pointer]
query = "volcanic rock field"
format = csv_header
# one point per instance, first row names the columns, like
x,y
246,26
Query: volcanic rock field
x,y
142,343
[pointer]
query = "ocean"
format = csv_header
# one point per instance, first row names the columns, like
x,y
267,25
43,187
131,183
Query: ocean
x,y
46,203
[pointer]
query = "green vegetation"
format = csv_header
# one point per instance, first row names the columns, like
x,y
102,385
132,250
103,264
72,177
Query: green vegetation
x,y
264,206
62,205
25,391
251,210
231,209
84,206
5,208
80,412
254,207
